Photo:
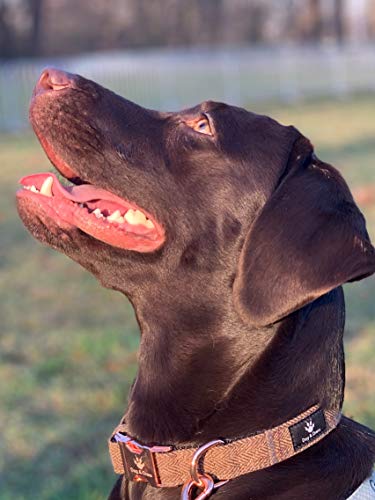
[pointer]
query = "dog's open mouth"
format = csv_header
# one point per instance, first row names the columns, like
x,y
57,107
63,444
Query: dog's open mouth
x,y
93,210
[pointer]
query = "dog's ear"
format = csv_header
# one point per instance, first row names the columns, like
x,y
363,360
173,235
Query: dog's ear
x,y
309,238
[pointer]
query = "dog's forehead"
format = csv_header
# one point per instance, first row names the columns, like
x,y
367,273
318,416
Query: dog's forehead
x,y
214,108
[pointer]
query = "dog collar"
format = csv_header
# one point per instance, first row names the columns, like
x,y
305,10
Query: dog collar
x,y
220,460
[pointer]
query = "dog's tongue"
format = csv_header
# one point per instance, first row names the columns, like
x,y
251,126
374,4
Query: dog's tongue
x,y
85,192
78,194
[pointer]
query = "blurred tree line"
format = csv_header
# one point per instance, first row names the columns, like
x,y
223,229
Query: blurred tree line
x,y
54,27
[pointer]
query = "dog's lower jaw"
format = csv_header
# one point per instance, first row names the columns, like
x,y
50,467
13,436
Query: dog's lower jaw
x,y
228,380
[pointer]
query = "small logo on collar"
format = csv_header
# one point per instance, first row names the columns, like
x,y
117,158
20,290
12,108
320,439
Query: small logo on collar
x,y
307,429
139,463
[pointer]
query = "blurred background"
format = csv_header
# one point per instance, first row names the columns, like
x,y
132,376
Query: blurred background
x,y
67,346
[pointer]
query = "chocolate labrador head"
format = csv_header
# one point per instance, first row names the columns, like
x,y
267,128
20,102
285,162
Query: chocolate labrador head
x,y
192,204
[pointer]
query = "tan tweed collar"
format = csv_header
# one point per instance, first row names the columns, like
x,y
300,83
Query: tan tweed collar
x,y
169,466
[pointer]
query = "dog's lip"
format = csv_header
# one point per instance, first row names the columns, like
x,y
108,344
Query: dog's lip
x,y
65,169
93,210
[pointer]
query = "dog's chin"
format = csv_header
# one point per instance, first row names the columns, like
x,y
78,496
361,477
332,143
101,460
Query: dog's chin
x,y
53,232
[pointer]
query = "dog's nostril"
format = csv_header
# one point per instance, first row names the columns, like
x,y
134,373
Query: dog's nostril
x,y
54,79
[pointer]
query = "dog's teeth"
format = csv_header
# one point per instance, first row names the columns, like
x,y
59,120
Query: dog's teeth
x,y
115,216
98,213
33,189
140,217
46,188
135,217
129,216
81,205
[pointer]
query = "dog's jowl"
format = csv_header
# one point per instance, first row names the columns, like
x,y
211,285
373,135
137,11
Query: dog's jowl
x,y
232,241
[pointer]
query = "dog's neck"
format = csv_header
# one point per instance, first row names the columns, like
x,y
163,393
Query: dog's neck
x,y
203,373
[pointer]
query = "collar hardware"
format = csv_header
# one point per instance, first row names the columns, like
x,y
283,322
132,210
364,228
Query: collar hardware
x,y
138,460
203,482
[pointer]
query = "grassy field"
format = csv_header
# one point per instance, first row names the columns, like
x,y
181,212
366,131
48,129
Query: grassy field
x,y
68,347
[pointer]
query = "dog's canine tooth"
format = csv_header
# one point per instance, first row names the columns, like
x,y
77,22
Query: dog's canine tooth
x,y
115,216
46,188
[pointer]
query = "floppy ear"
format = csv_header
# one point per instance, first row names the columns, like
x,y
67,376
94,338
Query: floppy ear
x,y
309,238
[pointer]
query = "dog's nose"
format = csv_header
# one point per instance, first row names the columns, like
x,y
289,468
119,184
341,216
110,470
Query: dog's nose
x,y
53,79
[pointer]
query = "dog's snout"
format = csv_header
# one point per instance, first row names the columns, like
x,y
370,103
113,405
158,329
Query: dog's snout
x,y
53,79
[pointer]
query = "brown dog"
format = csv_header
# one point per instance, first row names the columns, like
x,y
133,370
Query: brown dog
x,y
232,241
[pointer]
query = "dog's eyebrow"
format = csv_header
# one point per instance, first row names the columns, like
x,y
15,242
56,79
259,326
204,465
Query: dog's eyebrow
x,y
204,107
209,106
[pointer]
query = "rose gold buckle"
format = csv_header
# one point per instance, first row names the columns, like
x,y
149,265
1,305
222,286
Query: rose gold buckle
x,y
138,460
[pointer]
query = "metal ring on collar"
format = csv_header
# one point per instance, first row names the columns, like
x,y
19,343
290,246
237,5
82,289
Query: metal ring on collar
x,y
201,451
203,482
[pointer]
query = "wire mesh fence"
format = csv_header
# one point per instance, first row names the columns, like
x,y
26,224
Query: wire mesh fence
x,y
172,79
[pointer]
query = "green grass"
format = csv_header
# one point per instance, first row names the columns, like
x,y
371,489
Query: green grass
x,y
67,346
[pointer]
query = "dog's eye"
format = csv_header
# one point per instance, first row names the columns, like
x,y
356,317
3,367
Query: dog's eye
x,y
203,126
